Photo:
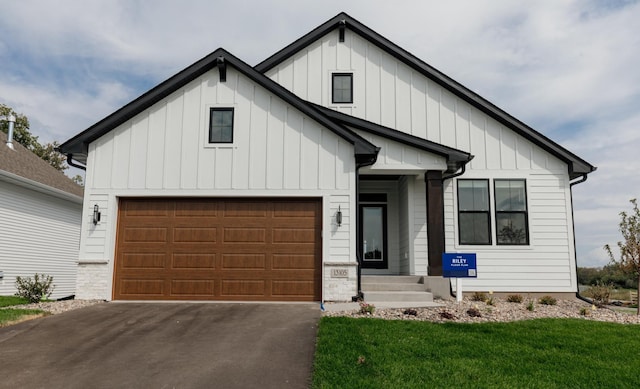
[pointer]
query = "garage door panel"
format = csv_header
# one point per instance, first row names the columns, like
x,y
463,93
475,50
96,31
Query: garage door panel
x,y
294,235
142,287
294,209
293,261
284,288
243,288
143,260
193,261
242,209
244,235
191,287
244,261
145,235
219,249
195,235
146,208
197,209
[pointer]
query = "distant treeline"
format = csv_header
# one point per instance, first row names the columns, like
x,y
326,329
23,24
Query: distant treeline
x,y
608,275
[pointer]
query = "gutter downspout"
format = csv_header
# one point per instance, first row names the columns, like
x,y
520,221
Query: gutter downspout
x,y
575,251
71,163
359,295
450,176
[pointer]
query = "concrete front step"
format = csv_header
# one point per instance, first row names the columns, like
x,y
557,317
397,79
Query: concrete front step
x,y
393,287
382,296
391,279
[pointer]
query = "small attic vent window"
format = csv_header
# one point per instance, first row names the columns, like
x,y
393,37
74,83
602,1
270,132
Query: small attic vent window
x,y
221,125
342,88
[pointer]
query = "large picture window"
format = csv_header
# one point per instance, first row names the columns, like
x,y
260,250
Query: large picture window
x,y
511,212
221,125
474,222
342,88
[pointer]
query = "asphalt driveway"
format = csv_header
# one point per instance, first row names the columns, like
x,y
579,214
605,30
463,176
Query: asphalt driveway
x,y
163,345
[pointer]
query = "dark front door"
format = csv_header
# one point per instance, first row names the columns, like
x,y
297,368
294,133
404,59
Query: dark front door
x,y
373,236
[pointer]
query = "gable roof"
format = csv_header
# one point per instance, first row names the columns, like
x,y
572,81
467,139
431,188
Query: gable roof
x,y
23,165
576,165
78,146
455,158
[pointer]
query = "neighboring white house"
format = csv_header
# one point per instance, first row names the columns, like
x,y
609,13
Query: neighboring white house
x,y
340,155
40,211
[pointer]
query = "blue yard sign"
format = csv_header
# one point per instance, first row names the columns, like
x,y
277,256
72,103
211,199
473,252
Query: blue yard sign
x,y
459,265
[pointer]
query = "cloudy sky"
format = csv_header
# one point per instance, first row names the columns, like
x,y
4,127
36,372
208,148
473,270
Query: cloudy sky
x,y
570,69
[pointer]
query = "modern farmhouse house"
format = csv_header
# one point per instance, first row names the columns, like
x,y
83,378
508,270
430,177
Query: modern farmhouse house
x,y
339,158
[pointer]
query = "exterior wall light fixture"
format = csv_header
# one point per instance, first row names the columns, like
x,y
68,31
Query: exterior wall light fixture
x,y
339,217
96,214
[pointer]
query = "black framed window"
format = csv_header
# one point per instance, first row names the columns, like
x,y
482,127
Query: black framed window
x,y
474,222
342,88
511,212
221,125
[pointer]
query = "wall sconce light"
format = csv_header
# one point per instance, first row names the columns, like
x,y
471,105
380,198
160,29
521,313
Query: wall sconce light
x,y
96,214
339,217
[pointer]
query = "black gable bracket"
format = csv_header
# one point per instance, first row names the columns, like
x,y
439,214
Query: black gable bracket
x,y
222,67
343,24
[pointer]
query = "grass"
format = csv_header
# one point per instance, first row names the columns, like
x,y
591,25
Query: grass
x,y
9,316
616,294
14,316
543,353
7,301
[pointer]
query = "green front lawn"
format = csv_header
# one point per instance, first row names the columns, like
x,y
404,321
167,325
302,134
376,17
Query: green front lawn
x,y
543,353
7,301
10,316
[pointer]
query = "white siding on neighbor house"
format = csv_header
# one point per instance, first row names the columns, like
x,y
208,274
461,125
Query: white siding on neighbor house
x,y
163,151
39,233
388,92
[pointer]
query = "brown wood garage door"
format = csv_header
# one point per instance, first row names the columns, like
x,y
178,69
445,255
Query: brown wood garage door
x,y
218,249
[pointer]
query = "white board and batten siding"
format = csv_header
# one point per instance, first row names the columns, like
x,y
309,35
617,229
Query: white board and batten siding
x,y
276,152
40,234
390,93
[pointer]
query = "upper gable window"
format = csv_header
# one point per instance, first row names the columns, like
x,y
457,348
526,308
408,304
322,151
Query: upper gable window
x,y
342,88
221,125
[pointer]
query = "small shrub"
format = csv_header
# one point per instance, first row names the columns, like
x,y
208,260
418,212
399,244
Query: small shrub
x,y
447,315
547,300
478,296
34,290
514,298
410,311
531,306
367,309
490,301
600,293
474,312
584,311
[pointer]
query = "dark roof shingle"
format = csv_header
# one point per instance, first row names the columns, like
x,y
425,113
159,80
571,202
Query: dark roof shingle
x,y
26,164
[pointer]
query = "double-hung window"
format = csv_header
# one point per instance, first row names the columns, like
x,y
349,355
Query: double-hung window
x,y
221,125
474,221
511,212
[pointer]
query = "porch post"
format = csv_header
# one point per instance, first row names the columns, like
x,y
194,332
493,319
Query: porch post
x,y
435,221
